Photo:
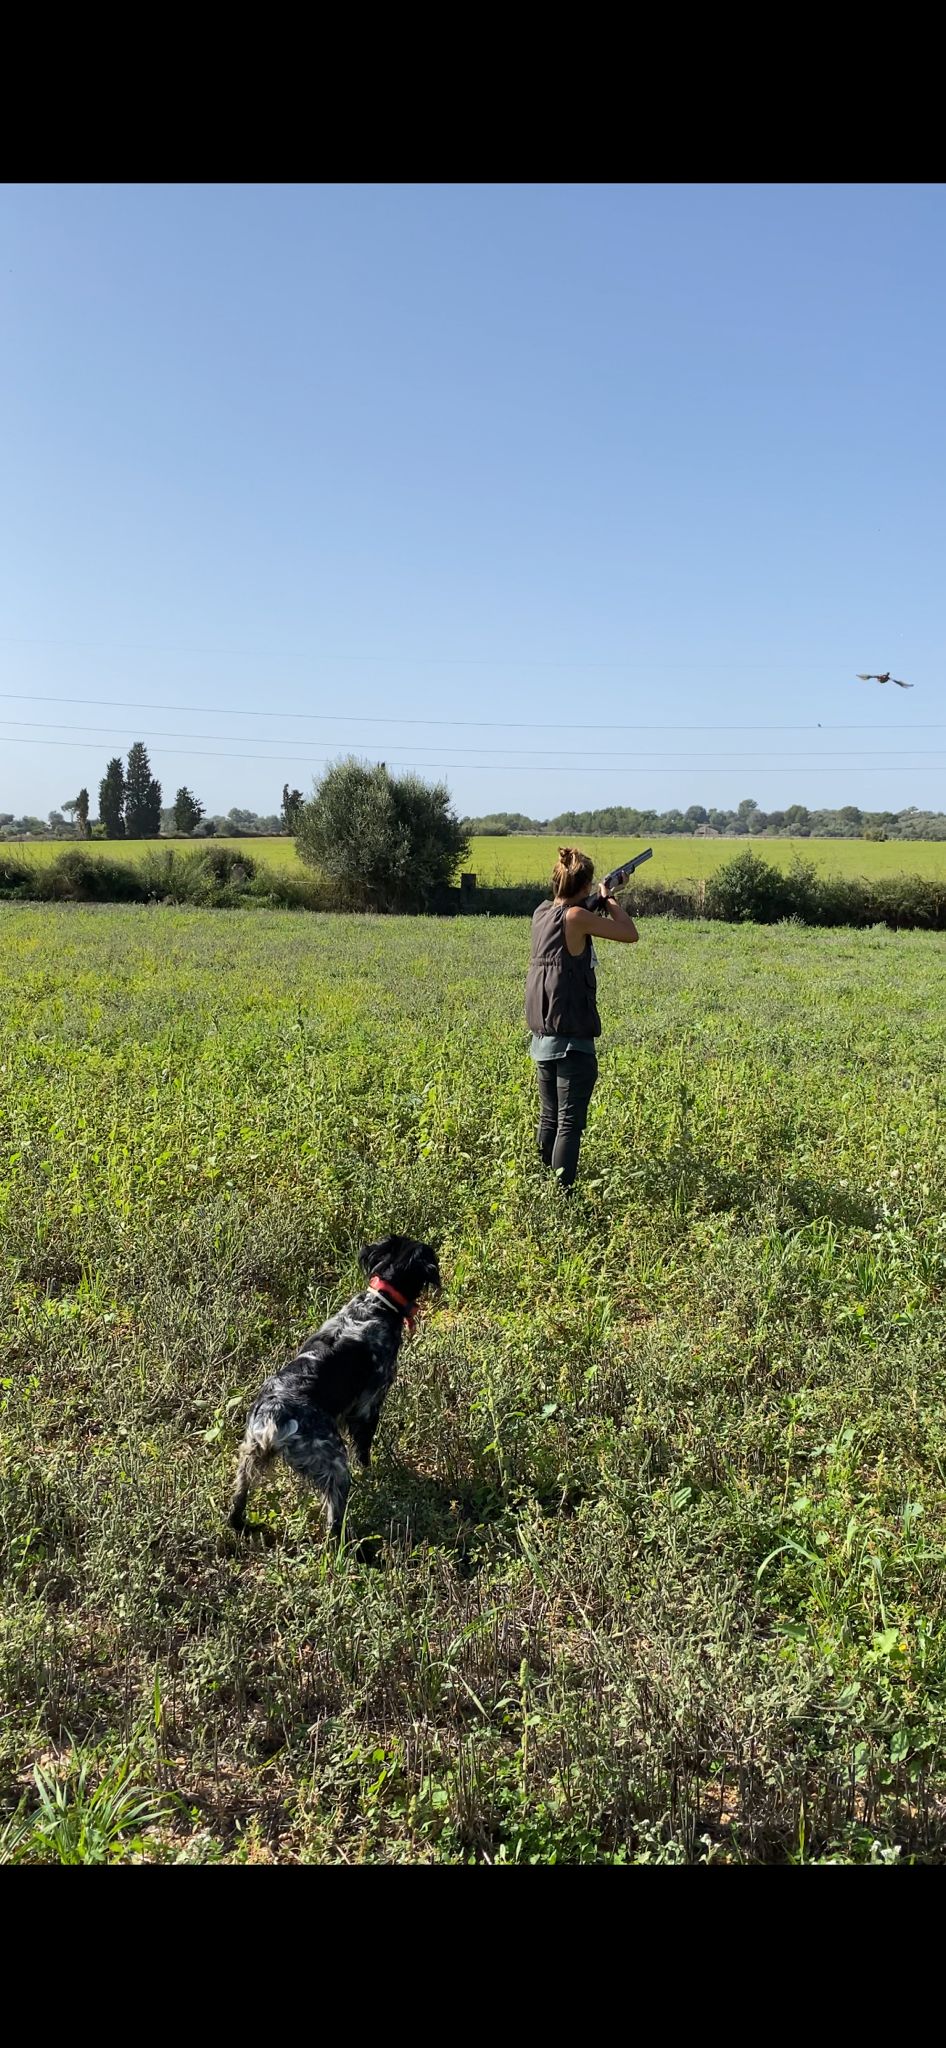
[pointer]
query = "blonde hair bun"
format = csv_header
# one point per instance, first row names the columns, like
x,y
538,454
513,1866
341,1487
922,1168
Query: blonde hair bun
x,y
573,871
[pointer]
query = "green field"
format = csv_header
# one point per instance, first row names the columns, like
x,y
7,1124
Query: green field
x,y
525,859
649,1565
281,850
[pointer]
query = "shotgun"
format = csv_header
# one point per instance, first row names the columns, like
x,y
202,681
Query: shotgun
x,y
617,879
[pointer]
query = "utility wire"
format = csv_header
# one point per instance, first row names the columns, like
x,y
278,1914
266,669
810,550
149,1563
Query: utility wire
x,y
539,753
473,724
512,767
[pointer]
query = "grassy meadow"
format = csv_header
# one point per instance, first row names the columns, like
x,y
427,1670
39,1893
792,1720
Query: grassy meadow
x,y
649,1564
524,858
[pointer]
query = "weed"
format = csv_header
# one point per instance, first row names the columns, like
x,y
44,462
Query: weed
x,y
78,1820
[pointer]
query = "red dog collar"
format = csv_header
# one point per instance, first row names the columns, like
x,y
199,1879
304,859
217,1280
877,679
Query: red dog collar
x,y
400,1300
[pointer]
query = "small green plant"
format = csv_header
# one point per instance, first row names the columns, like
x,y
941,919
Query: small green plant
x,y
81,1820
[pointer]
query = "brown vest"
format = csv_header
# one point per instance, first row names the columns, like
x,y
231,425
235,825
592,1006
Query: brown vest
x,y
560,986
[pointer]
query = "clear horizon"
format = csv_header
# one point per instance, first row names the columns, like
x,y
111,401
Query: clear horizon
x,y
576,496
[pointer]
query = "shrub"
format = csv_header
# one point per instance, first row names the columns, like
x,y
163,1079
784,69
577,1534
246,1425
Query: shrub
x,y
215,876
82,877
842,899
663,899
748,890
385,842
16,875
218,863
909,903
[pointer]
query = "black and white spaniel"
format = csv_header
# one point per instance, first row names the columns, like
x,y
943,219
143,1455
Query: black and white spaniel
x,y
337,1381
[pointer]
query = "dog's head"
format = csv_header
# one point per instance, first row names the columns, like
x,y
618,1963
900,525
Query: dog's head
x,y
403,1263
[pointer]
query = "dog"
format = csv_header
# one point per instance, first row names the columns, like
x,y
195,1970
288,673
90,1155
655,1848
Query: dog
x,y
337,1380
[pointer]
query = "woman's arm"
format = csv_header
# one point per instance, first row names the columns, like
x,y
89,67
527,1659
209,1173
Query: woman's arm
x,y
617,925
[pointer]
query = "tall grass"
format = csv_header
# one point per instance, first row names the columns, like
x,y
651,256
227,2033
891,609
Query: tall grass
x,y
220,877
649,1566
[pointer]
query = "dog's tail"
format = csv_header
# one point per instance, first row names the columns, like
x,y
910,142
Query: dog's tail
x,y
264,1437
268,1435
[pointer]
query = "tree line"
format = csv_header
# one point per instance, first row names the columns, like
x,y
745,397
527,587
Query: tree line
x,y
131,807
375,841
748,819
380,842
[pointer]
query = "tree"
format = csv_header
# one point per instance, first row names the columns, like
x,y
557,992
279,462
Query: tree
x,y
188,810
292,802
388,842
142,796
798,816
78,809
112,800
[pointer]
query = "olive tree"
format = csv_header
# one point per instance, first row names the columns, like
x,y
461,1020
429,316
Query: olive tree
x,y
387,842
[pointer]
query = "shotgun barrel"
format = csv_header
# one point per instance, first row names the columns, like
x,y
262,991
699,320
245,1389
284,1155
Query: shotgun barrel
x,y
617,878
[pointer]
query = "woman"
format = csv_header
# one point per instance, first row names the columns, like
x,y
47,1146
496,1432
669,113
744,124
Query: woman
x,y
561,1009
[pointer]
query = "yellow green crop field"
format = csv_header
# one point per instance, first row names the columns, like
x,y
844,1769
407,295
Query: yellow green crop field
x,y
281,851
676,859
528,858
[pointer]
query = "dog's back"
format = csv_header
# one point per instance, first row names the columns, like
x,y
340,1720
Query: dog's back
x,y
339,1376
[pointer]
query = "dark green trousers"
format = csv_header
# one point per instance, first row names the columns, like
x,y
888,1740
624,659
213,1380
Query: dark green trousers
x,y
565,1091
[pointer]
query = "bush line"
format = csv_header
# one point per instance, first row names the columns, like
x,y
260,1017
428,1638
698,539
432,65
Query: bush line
x,y
747,890
213,878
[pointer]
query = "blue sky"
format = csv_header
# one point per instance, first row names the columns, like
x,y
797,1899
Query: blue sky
x,y
611,489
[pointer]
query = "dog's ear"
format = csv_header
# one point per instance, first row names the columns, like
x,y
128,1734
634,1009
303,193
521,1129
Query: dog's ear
x,y
425,1271
371,1255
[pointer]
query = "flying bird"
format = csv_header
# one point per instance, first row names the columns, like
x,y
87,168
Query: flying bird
x,y
887,678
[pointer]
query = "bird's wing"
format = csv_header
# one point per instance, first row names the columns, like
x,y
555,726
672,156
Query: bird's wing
x,y
868,679
901,685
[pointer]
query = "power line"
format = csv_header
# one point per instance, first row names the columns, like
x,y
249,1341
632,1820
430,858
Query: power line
x,y
540,753
492,767
472,724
